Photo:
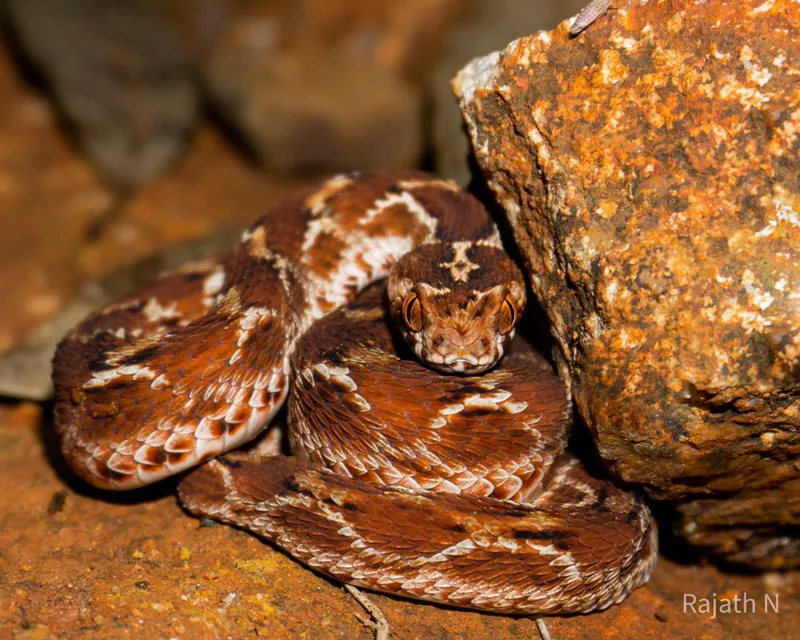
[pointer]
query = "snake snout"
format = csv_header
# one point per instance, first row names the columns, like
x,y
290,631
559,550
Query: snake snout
x,y
461,339
465,352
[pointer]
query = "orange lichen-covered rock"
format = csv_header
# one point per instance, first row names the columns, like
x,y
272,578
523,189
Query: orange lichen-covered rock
x,y
649,169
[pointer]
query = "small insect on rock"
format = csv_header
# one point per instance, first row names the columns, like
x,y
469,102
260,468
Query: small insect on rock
x,y
589,15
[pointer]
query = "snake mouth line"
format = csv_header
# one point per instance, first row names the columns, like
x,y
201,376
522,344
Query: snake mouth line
x,y
469,365
461,361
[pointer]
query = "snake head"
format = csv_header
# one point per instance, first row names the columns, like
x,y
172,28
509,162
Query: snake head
x,y
456,304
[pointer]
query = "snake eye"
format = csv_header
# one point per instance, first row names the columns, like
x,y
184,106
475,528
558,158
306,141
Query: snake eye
x,y
508,316
412,313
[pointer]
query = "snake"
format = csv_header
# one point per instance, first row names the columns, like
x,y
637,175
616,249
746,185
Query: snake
x,y
428,443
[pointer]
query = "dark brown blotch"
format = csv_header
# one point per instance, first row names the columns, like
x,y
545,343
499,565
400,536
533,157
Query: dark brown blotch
x,y
144,355
155,456
178,458
542,534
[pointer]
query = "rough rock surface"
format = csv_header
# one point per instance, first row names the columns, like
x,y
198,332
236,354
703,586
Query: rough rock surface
x,y
650,169
75,562
490,25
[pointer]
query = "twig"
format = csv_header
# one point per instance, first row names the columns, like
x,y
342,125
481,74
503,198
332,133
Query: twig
x,y
380,625
542,627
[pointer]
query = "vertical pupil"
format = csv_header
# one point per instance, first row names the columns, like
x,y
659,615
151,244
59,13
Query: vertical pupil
x,y
413,313
507,316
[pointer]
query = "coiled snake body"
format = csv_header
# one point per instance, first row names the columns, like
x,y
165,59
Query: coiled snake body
x,y
405,478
